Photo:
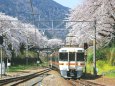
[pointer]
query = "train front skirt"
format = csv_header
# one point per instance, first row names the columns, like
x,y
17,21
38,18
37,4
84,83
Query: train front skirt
x,y
71,73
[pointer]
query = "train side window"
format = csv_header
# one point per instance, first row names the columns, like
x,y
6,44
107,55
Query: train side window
x,y
71,56
80,56
63,56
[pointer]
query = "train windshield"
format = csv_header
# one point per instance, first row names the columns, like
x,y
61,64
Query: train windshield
x,y
71,56
63,56
80,56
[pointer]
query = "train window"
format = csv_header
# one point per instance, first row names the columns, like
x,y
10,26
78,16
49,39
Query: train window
x,y
71,56
80,56
63,56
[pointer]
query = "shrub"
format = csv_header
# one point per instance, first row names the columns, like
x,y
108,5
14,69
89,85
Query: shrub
x,y
100,55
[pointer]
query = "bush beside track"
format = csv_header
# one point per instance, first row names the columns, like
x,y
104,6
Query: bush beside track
x,y
105,61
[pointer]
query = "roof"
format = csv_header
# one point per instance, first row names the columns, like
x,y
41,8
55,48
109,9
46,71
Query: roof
x,y
71,49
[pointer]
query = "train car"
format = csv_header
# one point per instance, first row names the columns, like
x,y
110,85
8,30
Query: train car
x,y
70,61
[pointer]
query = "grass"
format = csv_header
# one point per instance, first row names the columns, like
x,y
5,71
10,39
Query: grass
x,y
24,67
19,67
105,61
103,68
110,75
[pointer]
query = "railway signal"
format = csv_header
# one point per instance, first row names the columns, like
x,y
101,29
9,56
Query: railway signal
x,y
85,46
1,40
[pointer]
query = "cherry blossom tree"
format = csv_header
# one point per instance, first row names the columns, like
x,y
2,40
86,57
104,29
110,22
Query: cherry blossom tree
x,y
16,32
103,11
54,43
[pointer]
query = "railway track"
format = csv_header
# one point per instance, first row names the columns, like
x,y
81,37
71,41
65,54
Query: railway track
x,y
83,83
22,79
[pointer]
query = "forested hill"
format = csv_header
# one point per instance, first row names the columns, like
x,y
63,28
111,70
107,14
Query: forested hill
x,y
43,10
47,9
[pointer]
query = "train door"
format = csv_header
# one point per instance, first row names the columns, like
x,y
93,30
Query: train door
x,y
63,59
72,60
72,64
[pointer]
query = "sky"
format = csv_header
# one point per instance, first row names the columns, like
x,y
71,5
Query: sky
x,y
69,3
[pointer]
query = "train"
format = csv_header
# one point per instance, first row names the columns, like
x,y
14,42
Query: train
x,y
70,61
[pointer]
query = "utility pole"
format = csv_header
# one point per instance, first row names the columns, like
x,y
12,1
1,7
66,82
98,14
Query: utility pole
x,y
27,52
30,1
1,62
33,17
94,51
1,42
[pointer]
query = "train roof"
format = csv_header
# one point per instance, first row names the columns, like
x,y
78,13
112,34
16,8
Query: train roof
x,y
71,49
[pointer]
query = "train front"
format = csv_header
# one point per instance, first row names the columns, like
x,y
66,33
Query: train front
x,y
71,62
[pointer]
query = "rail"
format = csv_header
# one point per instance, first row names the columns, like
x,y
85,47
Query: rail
x,y
83,82
18,80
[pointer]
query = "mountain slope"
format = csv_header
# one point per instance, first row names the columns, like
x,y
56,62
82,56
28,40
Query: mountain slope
x,y
43,10
47,9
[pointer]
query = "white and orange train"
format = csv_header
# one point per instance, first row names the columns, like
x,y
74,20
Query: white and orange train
x,y
69,60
